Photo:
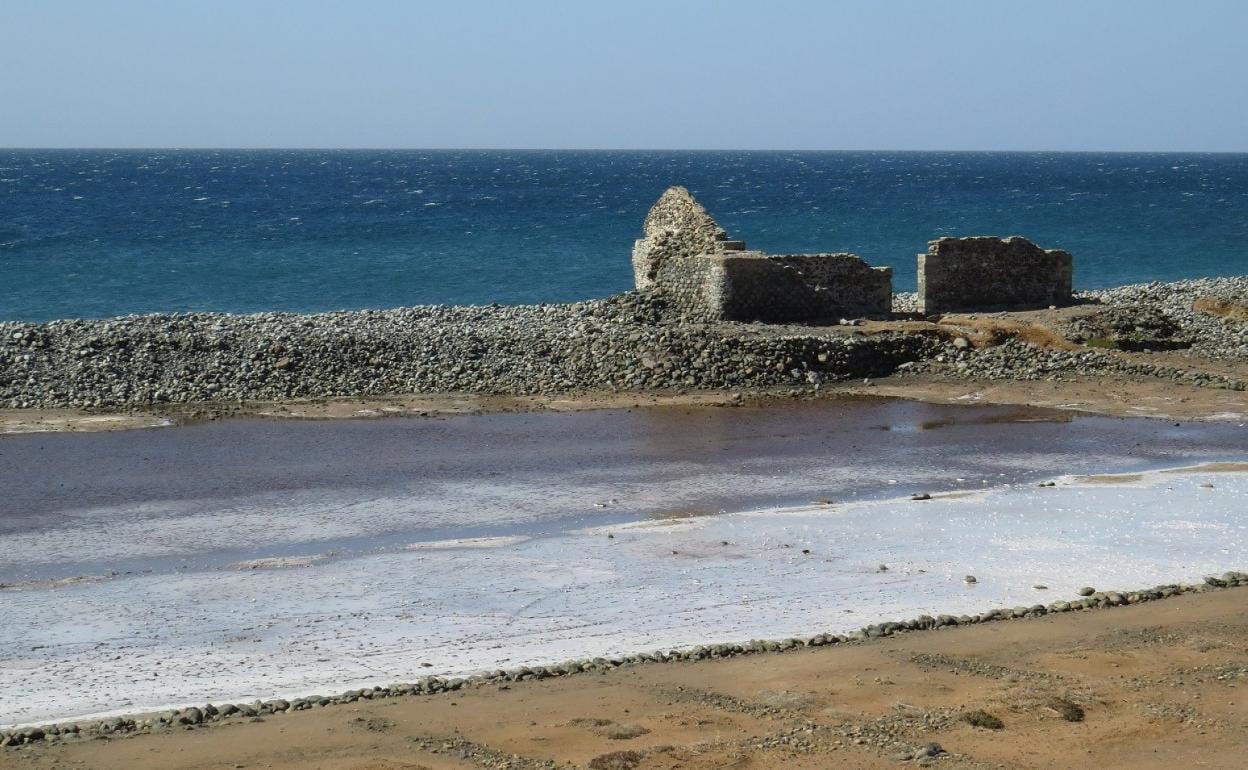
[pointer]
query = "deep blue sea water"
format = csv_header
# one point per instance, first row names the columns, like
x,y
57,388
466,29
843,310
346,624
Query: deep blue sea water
x,y
91,233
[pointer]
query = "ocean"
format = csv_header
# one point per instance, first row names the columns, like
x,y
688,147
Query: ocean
x,y
97,233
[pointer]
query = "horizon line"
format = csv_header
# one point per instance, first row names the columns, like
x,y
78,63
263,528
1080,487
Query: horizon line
x,y
243,148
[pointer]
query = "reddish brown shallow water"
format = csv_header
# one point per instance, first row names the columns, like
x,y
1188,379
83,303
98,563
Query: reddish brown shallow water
x,y
536,472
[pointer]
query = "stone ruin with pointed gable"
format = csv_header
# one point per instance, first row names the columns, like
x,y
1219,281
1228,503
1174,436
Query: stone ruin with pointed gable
x,y
706,276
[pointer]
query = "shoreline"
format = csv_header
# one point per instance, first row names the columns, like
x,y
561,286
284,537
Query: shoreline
x,y
1107,396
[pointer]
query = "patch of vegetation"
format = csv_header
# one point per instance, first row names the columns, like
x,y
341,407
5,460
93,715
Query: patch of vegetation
x,y
1068,710
616,760
1231,311
610,729
981,718
590,722
623,732
992,334
1101,342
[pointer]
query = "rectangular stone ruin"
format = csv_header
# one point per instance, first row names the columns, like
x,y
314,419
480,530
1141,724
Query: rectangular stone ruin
x,y
987,273
687,258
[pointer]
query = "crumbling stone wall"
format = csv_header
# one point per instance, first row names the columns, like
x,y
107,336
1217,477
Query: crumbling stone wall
x,y
688,258
690,286
676,226
987,273
800,287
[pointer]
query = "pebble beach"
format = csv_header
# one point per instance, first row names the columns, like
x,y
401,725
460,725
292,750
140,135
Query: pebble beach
x,y
625,343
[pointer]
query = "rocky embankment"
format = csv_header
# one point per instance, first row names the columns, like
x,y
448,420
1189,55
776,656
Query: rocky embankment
x,y
624,343
1199,319
621,343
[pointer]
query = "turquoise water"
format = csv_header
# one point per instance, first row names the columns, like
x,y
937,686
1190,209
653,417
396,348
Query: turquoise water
x,y
92,233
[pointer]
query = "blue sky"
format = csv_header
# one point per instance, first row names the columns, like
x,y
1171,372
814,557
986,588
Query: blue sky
x,y
781,74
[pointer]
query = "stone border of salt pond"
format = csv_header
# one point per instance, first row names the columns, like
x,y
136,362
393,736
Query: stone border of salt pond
x,y
196,716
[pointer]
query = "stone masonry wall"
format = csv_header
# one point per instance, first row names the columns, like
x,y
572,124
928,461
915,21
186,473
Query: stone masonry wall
x,y
676,225
988,273
692,286
687,258
751,286
802,287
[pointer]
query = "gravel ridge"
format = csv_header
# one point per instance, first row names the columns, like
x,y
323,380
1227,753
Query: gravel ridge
x,y
627,342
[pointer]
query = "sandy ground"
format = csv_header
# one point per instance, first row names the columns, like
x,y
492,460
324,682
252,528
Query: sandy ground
x,y
1162,685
